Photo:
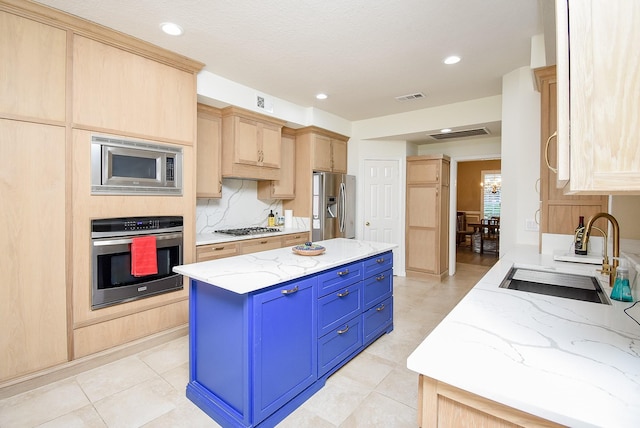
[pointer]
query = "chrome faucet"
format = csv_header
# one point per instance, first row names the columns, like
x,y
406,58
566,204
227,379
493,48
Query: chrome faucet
x,y
607,269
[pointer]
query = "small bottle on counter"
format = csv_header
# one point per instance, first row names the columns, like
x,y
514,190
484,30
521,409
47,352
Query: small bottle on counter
x,y
621,289
271,219
579,236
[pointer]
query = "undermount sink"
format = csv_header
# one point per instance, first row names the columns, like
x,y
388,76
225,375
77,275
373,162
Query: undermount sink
x,y
565,285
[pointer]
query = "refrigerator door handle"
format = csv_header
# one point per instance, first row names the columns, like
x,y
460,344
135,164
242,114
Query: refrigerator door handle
x,y
342,204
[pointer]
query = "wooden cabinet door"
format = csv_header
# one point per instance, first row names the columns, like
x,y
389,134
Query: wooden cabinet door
x,y
321,153
423,171
285,187
33,307
33,57
208,173
246,142
285,345
216,251
270,146
603,95
124,93
339,156
260,244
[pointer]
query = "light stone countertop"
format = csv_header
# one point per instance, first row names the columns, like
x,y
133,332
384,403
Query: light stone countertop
x,y
218,238
572,362
251,272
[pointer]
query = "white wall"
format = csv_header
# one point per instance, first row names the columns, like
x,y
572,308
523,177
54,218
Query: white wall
x,y
520,158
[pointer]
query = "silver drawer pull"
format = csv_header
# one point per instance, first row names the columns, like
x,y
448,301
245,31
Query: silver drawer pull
x,y
343,272
344,293
380,308
346,329
290,291
380,278
380,260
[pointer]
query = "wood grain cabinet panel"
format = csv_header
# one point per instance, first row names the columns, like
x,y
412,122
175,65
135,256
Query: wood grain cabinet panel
x,y
285,187
118,91
599,95
33,59
209,153
33,302
559,213
427,216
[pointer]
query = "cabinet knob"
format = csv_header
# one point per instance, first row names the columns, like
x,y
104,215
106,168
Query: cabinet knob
x,y
290,291
343,272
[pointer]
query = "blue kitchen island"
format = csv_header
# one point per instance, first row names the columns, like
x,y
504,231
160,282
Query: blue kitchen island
x,y
267,329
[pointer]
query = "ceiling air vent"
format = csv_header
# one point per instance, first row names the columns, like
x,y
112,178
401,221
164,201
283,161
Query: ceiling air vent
x,y
410,97
460,134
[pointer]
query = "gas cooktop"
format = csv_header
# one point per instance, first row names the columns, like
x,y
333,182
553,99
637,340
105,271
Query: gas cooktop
x,y
248,231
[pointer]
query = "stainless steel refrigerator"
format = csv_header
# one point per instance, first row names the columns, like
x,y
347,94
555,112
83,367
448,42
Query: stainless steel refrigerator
x,y
334,206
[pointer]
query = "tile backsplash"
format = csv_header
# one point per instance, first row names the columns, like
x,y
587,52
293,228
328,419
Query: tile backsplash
x,y
238,207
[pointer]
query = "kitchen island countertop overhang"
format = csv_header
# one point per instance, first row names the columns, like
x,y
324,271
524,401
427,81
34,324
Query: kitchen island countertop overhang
x,y
252,272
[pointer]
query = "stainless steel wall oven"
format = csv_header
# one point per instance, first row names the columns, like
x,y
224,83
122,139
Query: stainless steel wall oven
x,y
112,239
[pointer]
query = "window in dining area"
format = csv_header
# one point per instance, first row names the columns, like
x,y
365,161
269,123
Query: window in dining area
x,y
491,193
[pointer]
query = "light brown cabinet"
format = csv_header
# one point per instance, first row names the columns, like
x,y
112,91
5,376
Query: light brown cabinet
x,y
209,153
427,216
329,154
295,239
260,244
251,145
599,95
216,251
33,307
285,187
33,57
559,213
133,94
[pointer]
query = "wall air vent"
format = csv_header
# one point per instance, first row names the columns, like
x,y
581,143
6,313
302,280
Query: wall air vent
x,y
460,134
411,97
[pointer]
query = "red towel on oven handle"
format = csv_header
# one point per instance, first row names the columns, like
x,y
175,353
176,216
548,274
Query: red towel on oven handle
x,y
144,260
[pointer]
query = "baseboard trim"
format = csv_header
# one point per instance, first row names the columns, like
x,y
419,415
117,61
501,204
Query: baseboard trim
x,y
53,374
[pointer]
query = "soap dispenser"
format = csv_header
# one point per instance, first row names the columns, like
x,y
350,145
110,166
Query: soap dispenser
x,y
621,289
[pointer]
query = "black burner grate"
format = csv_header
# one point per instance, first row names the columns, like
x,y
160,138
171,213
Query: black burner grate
x,y
248,231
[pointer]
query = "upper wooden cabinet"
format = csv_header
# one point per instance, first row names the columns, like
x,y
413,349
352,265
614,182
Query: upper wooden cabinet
x,y
121,92
427,216
599,95
559,213
285,187
33,57
329,154
209,153
251,145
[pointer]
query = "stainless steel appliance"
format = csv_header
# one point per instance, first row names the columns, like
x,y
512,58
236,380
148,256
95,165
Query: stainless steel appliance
x,y
334,206
244,231
134,167
112,281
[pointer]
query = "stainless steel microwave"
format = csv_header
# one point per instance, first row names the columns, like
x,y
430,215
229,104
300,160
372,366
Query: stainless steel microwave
x,y
126,167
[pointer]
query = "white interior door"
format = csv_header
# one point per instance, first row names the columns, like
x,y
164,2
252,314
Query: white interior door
x,y
382,202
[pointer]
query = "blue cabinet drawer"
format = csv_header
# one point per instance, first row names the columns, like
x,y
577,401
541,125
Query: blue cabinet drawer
x,y
377,288
378,319
338,307
377,264
335,346
340,277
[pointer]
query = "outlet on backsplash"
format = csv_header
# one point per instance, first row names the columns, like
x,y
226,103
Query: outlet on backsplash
x,y
238,207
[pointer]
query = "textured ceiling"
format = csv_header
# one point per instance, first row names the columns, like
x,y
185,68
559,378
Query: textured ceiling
x,y
362,53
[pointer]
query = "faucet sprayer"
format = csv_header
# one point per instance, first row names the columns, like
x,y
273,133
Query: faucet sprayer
x,y
606,268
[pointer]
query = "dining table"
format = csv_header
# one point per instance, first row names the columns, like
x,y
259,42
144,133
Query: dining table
x,y
488,228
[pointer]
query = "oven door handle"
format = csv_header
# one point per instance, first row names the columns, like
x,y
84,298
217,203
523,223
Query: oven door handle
x,y
107,242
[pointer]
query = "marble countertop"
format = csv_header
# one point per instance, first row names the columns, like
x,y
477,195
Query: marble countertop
x,y
217,238
572,362
252,272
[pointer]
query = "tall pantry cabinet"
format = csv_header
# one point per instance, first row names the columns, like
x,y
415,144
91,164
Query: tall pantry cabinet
x,y
427,216
50,104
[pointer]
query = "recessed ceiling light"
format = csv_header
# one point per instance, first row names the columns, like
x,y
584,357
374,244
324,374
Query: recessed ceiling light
x,y
452,60
445,130
171,28
321,96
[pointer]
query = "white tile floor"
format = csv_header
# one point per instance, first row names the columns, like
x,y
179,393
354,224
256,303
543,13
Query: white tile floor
x,y
375,389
